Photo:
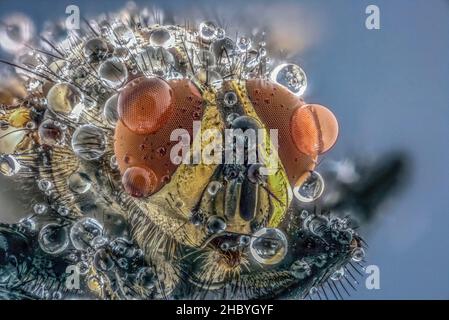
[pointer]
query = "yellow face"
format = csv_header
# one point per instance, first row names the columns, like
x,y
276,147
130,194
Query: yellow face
x,y
218,205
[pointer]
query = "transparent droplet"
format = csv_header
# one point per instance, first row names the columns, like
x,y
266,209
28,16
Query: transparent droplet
x,y
244,44
53,238
65,99
146,278
82,267
161,37
95,49
300,269
337,275
291,77
244,240
110,111
57,295
230,98
40,208
207,30
99,242
15,31
51,133
113,72
213,187
231,117
216,224
103,260
311,189
84,231
63,211
89,142
313,291
44,185
79,182
221,33
9,166
269,246
123,35
317,224
358,254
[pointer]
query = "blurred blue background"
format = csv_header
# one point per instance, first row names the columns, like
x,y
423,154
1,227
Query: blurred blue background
x,y
389,88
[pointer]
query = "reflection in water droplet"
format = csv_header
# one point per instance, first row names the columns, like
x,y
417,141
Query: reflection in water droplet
x,y
53,238
84,231
311,189
268,246
89,142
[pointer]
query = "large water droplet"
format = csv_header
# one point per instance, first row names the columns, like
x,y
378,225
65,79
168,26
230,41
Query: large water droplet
x,y
291,77
110,111
88,142
311,189
51,133
53,238
65,99
9,165
269,246
113,72
79,182
207,30
84,231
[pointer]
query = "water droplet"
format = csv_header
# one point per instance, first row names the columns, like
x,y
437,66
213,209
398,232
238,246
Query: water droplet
x,y
244,240
123,35
44,185
53,238
51,133
113,72
268,246
358,254
161,37
213,187
65,99
207,30
338,274
40,208
15,31
88,142
63,211
83,267
230,98
291,77
9,166
103,260
311,189
216,224
244,44
110,111
84,231
79,182
300,269
95,49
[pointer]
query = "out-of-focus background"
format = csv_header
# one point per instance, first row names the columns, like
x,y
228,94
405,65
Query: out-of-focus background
x,y
389,88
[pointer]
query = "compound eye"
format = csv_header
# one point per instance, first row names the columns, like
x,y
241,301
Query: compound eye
x,y
145,105
314,129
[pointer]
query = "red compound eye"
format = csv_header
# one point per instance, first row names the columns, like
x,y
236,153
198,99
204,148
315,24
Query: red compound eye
x,y
145,105
314,129
152,150
139,182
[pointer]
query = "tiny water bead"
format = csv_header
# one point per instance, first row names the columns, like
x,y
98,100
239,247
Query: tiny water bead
x,y
213,187
44,185
9,166
216,224
230,98
89,142
314,129
145,104
358,254
103,260
139,182
95,49
84,231
161,37
300,269
207,30
269,246
244,44
311,189
123,35
51,133
40,208
65,99
338,274
290,76
53,238
110,112
113,72
79,182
